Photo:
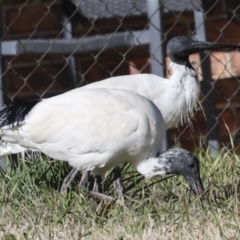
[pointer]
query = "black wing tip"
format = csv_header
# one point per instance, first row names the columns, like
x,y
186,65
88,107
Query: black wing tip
x,y
15,112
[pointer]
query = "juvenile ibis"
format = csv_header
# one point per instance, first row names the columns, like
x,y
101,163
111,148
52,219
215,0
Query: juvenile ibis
x,y
97,129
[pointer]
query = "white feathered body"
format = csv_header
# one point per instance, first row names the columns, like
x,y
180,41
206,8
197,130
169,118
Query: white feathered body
x,y
92,129
10,148
176,98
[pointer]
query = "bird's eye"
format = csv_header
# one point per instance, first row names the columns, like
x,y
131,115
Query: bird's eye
x,y
191,165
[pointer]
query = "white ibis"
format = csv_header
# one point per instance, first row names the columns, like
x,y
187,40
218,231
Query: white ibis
x,y
97,129
176,97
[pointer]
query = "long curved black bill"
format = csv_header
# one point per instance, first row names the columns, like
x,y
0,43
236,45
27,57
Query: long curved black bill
x,y
179,48
199,46
196,185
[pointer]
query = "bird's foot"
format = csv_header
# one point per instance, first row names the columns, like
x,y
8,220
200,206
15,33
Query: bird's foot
x,y
68,180
118,187
117,183
83,185
97,184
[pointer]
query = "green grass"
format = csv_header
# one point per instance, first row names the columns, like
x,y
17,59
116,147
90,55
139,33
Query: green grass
x,y
31,206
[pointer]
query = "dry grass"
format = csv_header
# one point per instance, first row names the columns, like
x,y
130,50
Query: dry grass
x,y
32,208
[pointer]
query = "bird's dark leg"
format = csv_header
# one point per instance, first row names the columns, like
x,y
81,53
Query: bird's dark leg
x,y
97,184
68,180
117,183
96,193
84,180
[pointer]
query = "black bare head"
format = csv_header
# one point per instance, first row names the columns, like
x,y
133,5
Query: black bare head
x,y
186,164
179,48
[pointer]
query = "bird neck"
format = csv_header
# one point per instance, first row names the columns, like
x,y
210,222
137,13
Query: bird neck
x,y
182,71
184,61
184,82
154,167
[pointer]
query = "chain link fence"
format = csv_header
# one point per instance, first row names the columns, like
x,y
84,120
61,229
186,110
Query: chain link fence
x,y
49,47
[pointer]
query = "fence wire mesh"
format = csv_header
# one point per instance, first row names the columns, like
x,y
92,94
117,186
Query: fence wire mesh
x,y
49,47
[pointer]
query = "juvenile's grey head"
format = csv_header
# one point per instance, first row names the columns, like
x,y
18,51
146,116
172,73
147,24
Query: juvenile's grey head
x,y
185,163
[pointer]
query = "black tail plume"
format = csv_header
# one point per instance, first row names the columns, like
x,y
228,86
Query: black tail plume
x,y
14,113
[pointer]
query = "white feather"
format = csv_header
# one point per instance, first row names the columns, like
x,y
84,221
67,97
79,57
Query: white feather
x,y
7,148
176,98
92,129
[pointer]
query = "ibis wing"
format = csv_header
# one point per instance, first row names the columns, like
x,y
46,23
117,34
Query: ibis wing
x,y
88,121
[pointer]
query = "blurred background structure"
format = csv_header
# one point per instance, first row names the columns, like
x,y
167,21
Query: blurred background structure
x,y
51,46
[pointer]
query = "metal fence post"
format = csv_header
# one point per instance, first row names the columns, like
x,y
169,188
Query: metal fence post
x,y
2,159
209,102
156,41
71,60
